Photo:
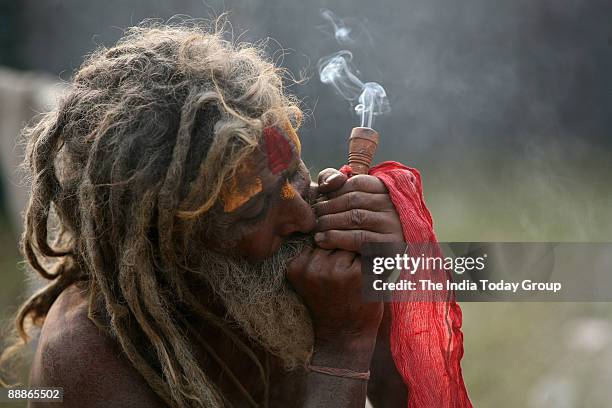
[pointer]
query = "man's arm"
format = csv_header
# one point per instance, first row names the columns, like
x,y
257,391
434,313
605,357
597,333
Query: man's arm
x,y
345,327
353,211
386,388
323,390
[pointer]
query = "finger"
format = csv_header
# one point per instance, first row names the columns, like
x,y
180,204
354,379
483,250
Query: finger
x,y
348,240
320,254
361,182
344,258
330,180
356,264
374,221
327,173
353,200
318,261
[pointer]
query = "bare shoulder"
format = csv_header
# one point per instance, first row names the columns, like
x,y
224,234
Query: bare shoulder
x,y
74,354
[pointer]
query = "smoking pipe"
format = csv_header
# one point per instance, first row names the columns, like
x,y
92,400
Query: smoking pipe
x,y
362,146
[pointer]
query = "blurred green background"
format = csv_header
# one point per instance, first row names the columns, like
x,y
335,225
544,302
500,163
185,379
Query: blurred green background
x,y
505,109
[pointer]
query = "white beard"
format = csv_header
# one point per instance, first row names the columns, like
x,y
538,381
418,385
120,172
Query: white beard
x,y
261,301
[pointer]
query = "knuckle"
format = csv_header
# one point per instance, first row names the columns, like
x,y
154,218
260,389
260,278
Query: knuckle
x,y
338,267
357,217
358,182
358,239
362,237
349,200
322,207
353,200
341,265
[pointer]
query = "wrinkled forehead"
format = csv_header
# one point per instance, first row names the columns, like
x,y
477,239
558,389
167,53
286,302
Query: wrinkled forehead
x,y
277,157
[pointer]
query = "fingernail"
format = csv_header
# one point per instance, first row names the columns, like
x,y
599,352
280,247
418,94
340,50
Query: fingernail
x,y
331,178
319,236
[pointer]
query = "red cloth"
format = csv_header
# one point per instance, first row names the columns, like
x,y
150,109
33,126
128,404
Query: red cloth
x,y
426,337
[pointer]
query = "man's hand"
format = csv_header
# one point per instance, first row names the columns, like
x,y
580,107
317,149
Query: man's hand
x,y
330,283
345,327
353,211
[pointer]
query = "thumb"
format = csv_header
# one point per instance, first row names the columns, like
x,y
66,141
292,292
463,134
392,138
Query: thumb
x,y
330,180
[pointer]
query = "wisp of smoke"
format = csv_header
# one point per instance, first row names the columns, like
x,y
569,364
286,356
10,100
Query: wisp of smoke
x,y
368,99
347,31
336,70
372,101
341,31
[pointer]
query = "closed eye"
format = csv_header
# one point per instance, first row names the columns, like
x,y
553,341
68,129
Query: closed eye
x,y
255,210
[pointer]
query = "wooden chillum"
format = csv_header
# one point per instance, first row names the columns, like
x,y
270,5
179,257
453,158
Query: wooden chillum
x,y
362,146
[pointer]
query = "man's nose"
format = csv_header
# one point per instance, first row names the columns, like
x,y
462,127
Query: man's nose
x,y
301,217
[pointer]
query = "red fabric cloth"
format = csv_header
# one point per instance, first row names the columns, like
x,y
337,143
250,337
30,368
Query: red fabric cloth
x,y
426,337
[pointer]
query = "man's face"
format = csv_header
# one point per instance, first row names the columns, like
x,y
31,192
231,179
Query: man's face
x,y
264,208
283,210
268,201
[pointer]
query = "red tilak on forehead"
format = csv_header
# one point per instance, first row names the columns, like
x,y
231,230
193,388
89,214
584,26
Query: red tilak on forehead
x,y
278,150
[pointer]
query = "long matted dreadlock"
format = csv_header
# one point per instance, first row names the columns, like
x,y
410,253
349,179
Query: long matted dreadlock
x,y
149,131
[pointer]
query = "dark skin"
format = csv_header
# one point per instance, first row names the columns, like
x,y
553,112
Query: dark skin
x,y
75,354
348,332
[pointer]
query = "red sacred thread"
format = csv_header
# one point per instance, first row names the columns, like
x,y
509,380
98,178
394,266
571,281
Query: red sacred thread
x,y
426,337
339,372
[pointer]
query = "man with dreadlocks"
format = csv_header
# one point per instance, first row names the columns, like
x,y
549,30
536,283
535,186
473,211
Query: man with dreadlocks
x,y
169,205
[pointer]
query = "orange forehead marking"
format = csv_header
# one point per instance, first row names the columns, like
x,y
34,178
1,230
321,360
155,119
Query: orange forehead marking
x,y
234,196
287,191
242,187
